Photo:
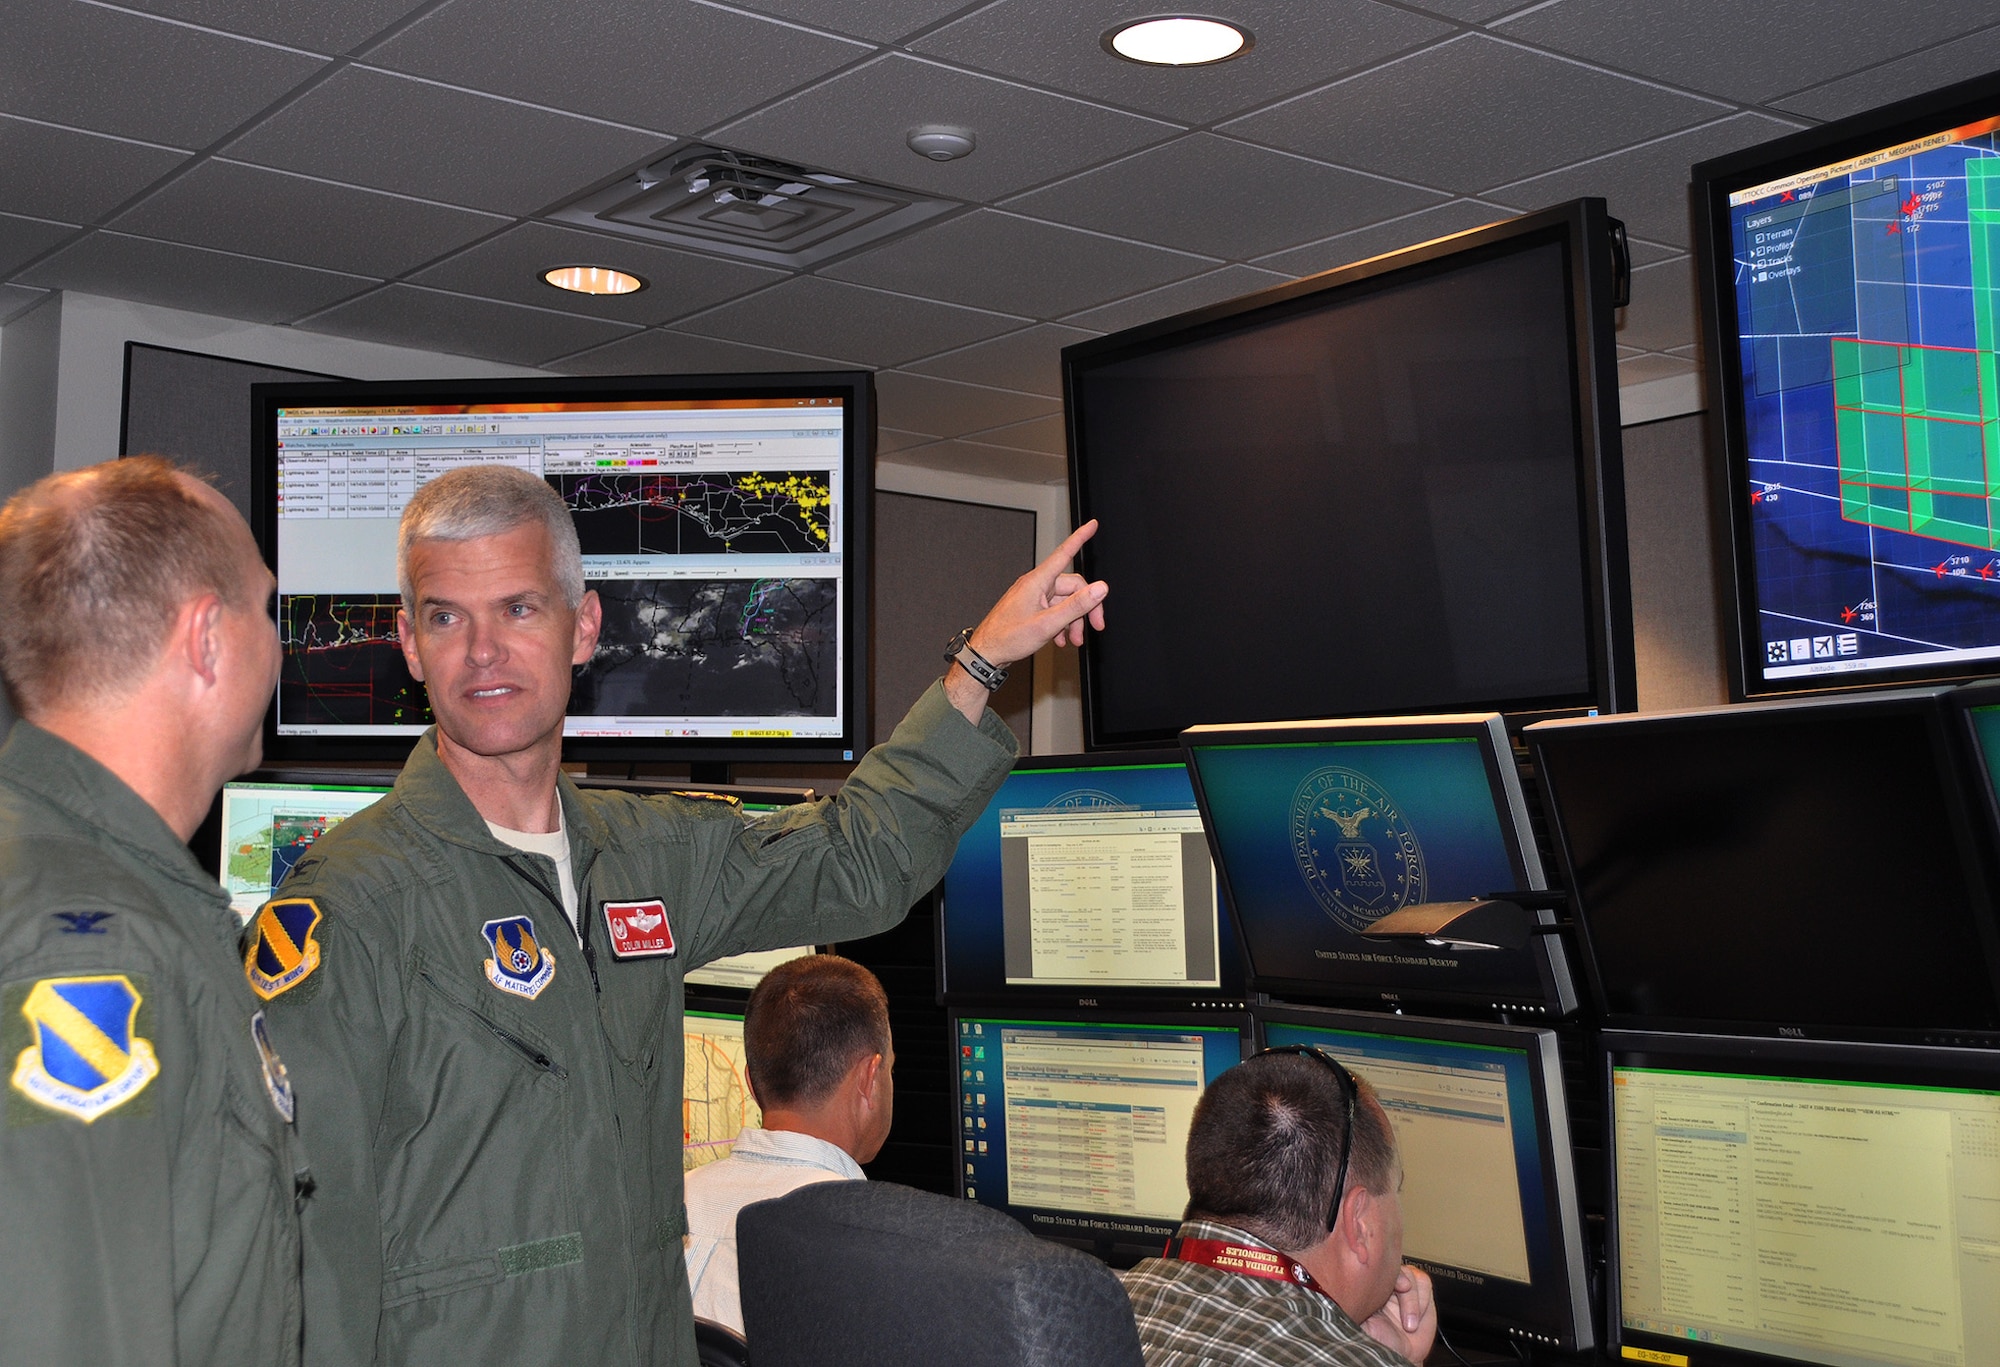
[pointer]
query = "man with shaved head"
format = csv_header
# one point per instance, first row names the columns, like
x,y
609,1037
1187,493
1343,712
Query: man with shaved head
x,y
148,1171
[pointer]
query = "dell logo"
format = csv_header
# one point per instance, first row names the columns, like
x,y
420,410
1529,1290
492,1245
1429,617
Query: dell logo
x,y
1791,1032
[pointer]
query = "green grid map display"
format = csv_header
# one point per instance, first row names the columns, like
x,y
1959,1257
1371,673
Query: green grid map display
x,y
1868,318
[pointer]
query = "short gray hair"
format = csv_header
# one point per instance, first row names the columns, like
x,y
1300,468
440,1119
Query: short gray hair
x,y
487,500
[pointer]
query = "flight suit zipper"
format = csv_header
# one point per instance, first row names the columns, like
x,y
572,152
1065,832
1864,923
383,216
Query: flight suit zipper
x,y
507,1037
582,926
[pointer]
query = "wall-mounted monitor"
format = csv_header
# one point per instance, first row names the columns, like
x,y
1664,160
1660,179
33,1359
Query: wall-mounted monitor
x,y
1489,1187
1775,1202
1076,1125
1850,278
1394,487
1807,868
1088,876
1320,829
724,523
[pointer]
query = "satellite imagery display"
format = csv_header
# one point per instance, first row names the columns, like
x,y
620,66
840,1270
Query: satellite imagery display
x,y
342,665
1868,311
699,513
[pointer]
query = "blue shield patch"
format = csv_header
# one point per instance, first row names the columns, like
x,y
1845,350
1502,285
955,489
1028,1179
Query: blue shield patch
x,y
519,964
85,1061
282,952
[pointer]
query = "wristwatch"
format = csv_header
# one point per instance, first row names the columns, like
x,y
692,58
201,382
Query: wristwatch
x,y
959,651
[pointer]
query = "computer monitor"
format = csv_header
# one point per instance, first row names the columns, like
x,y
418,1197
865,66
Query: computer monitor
x,y
1805,868
1077,1126
1489,1185
723,521
1088,876
716,1103
1322,828
266,826
1776,1201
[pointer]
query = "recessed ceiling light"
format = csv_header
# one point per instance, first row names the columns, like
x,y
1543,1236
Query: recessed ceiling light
x,y
1177,40
592,280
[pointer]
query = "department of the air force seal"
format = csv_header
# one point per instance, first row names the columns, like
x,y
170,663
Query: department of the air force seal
x,y
1353,848
519,964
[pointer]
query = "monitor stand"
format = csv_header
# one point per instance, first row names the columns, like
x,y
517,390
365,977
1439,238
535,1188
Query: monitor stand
x,y
708,774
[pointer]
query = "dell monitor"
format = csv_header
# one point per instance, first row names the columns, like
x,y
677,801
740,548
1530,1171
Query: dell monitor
x,y
723,522
1805,868
1088,877
1320,829
1780,1202
1489,1188
1077,1125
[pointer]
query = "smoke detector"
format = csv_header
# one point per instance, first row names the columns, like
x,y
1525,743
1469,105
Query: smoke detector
x,y
941,144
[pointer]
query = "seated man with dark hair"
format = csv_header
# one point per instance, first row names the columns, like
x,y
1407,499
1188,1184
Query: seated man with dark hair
x,y
816,1046
1291,1250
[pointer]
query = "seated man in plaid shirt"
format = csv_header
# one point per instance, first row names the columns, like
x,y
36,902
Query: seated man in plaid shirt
x,y
1291,1252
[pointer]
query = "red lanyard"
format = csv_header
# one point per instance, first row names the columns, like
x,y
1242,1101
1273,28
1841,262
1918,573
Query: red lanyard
x,y
1246,1259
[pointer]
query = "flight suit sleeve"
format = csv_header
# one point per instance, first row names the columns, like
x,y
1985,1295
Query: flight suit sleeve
x,y
101,1062
852,865
334,1028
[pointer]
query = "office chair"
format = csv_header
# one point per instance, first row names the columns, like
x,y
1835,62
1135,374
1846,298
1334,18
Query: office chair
x,y
717,1345
871,1274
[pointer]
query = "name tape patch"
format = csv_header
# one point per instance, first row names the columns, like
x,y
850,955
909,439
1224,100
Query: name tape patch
x,y
639,930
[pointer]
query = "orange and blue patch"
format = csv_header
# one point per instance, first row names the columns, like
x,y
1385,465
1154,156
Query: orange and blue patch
x,y
282,952
519,964
86,1061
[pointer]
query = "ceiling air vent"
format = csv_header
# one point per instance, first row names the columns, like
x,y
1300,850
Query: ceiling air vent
x,y
714,200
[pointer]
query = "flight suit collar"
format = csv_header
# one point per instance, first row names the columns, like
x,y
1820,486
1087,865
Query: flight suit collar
x,y
48,766
434,798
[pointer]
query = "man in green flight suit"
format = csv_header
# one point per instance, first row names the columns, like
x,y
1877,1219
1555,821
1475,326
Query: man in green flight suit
x,y
478,981
148,1172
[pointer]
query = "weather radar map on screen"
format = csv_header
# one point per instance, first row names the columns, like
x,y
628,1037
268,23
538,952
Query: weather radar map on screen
x,y
1867,298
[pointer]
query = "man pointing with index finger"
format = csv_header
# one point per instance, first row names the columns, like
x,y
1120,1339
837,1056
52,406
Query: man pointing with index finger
x,y
478,980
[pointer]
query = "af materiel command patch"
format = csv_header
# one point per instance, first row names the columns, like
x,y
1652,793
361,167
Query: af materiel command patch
x,y
85,1058
519,964
282,952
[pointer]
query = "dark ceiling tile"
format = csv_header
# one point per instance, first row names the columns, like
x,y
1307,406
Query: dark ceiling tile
x,y
259,212
1017,265
1745,52
882,20
1473,113
946,408
389,132
660,352
1231,282
332,26
1298,43
668,64
858,124
510,267
1652,365
61,173
988,462
192,278
16,300
110,71
1960,60
1221,197
1470,11
1393,236
847,321
1029,361
1661,315
24,239
889,440
1049,435
404,315
1647,186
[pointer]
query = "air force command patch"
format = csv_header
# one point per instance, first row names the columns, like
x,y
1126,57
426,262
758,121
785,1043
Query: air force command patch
x,y
519,964
85,1061
277,1082
639,930
282,951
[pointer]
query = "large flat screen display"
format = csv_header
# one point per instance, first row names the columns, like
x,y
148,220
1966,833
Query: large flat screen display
x,y
1807,868
1852,290
1398,484
1320,829
1489,1191
723,523
1823,1205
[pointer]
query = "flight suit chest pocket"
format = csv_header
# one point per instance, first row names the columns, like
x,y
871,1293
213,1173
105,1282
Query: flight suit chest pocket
x,y
633,992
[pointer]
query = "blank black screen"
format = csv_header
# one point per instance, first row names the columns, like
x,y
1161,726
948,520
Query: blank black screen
x,y
1794,869
1369,505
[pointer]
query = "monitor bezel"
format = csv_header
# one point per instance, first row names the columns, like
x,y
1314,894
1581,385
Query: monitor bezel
x,y
1727,438
1120,1250
1947,755
1863,1060
1546,952
856,389
1572,1326
1230,995
1583,228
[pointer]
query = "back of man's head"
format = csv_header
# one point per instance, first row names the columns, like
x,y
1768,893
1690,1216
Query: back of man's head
x,y
1265,1146
489,500
809,1021
94,566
